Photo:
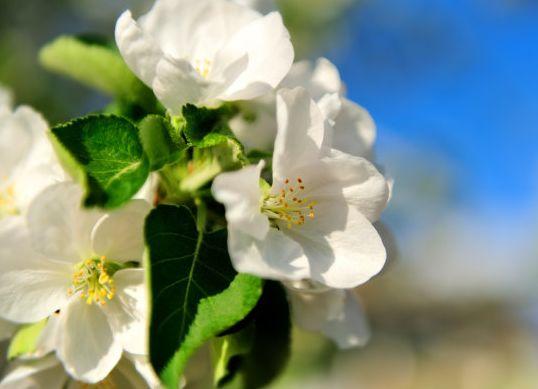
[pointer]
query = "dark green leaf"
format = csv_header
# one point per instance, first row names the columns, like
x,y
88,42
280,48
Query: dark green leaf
x,y
108,155
270,349
98,66
229,353
156,134
202,121
195,292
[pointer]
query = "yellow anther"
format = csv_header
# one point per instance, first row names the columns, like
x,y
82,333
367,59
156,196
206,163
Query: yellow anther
x,y
92,281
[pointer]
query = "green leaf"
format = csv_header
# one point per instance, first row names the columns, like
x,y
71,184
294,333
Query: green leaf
x,y
24,342
195,292
202,121
108,155
160,144
270,349
96,65
229,354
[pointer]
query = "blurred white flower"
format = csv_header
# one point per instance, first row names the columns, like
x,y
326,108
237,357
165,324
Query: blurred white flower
x,y
205,51
48,373
354,131
336,313
27,160
315,222
75,267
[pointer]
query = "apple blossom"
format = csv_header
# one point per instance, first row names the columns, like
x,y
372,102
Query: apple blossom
x,y
48,373
78,269
354,130
335,312
205,51
315,221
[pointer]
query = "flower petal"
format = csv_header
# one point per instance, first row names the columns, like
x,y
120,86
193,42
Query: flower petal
x,y
41,373
350,328
32,294
354,130
138,48
59,227
177,83
268,63
120,234
22,140
88,350
240,193
319,79
275,257
127,310
343,248
194,29
301,132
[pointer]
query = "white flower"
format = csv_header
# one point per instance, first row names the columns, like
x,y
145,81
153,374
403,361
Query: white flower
x,y
27,160
205,51
48,373
6,100
315,222
354,130
335,312
80,276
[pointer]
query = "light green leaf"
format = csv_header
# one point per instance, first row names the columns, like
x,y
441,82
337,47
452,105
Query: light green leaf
x,y
98,66
160,143
24,342
111,163
195,292
201,121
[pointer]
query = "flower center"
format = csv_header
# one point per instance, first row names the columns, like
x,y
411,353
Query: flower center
x,y
92,279
202,67
289,205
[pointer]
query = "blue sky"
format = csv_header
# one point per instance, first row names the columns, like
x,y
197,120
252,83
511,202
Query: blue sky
x,y
454,78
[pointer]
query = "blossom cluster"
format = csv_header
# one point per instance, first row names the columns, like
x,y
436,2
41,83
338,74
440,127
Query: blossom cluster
x,y
99,279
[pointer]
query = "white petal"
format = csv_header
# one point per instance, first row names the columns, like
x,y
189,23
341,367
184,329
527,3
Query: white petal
x,y
330,106
350,328
149,189
268,63
49,337
22,141
319,79
88,350
120,234
139,49
354,180
343,248
240,193
34,180
42,373
127,375
354,130
144,368
313,308
59,227
275,257
128,310
301,132
194,29
259,133
177,84
32,294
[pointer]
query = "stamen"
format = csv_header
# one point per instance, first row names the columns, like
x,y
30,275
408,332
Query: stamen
x,y
7,201
93,281
203,67
288,205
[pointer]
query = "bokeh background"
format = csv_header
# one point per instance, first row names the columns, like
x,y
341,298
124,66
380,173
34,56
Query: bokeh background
x,y
453,87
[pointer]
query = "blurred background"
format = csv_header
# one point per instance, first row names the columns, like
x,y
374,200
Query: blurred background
x,y
453,87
